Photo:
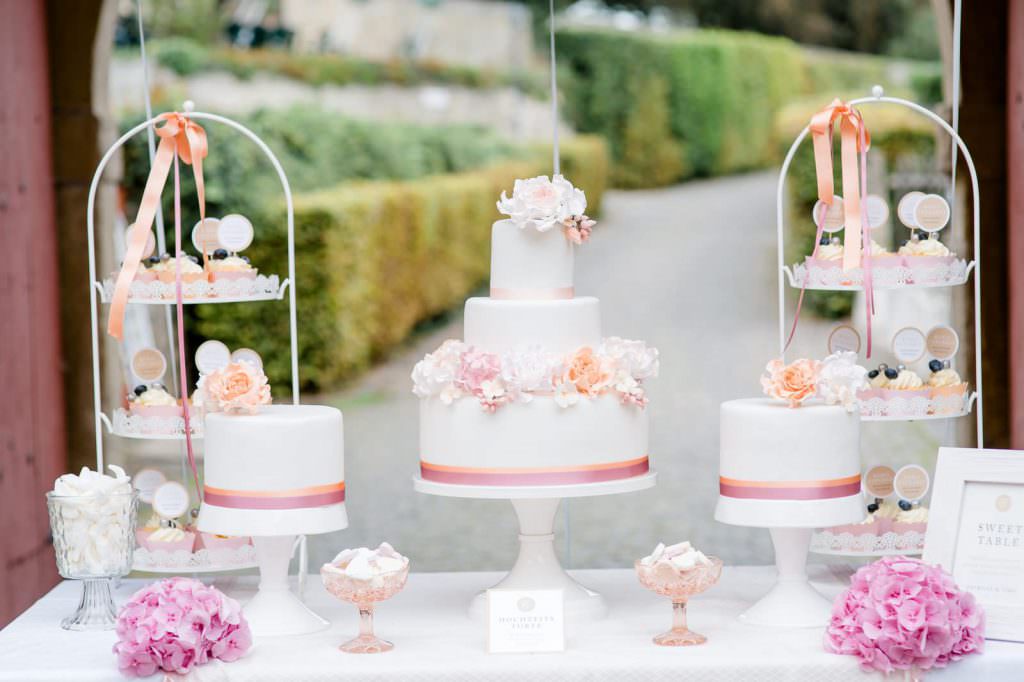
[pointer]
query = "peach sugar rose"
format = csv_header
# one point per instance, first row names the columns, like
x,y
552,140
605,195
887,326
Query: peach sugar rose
x,y
587,372
794,383
237,387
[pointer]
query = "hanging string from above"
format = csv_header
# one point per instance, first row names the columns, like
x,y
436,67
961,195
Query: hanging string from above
x,y
556,156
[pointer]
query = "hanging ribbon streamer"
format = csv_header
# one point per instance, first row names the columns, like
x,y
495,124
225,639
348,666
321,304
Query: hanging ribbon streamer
x,y
854,144
179,305
181,136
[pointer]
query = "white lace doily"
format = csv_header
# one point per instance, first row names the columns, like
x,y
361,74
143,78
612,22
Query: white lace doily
x,y
915,407
261,287
131,425
889,277
201,561
867,544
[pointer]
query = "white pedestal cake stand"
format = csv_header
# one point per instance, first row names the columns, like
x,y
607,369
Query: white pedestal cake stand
x,y
792,602
537,566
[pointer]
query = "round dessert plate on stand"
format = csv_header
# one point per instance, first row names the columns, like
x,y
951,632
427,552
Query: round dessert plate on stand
x,y
537,566
203,561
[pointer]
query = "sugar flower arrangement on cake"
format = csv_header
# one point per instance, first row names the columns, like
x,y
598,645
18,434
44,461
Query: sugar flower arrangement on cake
x,y
543,204
176,624
836,380
903,614
237,388
457,370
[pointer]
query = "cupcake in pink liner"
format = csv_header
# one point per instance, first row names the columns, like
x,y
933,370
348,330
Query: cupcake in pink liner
x,y
214,543
830,256
167,271
921,254
224,267
913,520
144,274
142,533
169,540
153,401
946,385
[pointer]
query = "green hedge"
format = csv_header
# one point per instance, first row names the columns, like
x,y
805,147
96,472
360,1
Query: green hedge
x,y
185,57
896,134
700,103
374,259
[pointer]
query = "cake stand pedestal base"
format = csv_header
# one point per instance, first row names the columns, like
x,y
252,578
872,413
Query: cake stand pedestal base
x,y
537,567
792,602
275,611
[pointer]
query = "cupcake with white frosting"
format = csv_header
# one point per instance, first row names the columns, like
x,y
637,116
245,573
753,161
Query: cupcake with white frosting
x,y
167,269
225,266
947,388
170,539
153,400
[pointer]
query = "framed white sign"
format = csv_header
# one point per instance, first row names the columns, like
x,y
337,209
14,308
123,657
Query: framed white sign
x,y
525,621
976,532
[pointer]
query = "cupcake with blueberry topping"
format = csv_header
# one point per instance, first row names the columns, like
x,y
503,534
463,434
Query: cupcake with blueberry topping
x,y
225,266
947,388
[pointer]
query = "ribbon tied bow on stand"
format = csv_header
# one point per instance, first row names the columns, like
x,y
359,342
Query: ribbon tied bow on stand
x,y
180,138
854,144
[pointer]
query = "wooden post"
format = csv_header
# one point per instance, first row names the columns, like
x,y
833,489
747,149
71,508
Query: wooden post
x,y
32,442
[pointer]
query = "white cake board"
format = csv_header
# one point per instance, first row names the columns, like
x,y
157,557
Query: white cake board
x,y
792,602
537,566
275,610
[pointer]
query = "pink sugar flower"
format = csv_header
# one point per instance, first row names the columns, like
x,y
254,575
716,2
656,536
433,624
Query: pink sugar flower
x,y
794,383
476,368
902,614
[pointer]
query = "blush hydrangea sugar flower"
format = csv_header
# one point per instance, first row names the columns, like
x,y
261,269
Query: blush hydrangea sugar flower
x,y
901,614
176,624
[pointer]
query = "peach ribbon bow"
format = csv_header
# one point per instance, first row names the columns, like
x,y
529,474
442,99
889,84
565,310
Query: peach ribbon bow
x,y
855,140
178,135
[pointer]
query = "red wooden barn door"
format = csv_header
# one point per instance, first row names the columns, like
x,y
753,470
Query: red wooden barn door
x,y
32,443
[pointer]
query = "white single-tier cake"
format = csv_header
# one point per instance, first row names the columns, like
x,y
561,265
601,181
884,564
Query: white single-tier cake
x,y
278,472
788,467
534,395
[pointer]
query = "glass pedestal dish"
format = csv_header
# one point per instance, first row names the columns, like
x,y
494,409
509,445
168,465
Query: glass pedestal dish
x,y
364,594
679,585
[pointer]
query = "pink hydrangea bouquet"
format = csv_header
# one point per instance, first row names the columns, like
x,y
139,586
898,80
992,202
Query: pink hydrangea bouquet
x,y
176,624
903,614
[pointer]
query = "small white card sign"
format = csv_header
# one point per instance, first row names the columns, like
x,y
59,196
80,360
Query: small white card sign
x,y
204,235
976,532
844,338
170,500
211,356
525,621
905,209
908,345
235,232
146,481
828,217
247,355
877,210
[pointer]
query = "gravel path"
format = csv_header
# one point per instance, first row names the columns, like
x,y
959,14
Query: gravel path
x,y
690,269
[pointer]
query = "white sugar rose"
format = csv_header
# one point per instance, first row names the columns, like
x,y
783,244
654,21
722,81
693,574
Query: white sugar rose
x,y
541,203
840,378
633,357
528,369
436,372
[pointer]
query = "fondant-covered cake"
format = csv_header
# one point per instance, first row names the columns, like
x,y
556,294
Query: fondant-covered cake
x,y
268,469
534,395
793,460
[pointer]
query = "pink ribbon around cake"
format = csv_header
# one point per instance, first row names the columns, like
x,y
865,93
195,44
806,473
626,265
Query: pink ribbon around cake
x,y
555,294
789,490
593,473
296,498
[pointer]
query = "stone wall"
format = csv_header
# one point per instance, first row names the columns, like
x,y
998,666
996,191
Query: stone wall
x,y
471,32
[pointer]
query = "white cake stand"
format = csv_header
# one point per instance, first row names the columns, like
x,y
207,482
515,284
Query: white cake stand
x,y
537,566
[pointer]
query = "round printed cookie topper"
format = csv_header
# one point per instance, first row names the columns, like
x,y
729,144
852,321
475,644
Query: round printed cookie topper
x,y
170,500
146,481
247,355
942,342
150,241
844,338
905,209
235,233
908,344
911,482
833,215
204,235
931,213
877,210
878,481
211,356
148,364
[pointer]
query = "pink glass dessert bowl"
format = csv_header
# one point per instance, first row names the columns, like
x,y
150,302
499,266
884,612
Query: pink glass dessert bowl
x,y
679,585
364,593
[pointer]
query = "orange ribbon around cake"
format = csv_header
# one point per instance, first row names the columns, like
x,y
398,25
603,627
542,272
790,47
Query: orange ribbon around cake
x,y
178,135
826,489
296,498
591,473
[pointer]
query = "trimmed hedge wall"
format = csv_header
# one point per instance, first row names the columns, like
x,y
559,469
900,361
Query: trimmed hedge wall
x,y
710,97
374,259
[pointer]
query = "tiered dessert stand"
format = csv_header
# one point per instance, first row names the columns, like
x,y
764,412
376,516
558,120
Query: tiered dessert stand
x,y
262,288
537,566
793,601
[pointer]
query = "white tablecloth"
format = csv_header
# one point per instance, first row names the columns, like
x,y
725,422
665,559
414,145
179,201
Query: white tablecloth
x,y
436,640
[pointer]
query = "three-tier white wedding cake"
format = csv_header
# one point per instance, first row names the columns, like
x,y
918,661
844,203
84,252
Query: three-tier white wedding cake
x,y
534,395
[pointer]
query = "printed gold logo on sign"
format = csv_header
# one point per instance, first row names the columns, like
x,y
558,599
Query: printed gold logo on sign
x,y
1003,503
